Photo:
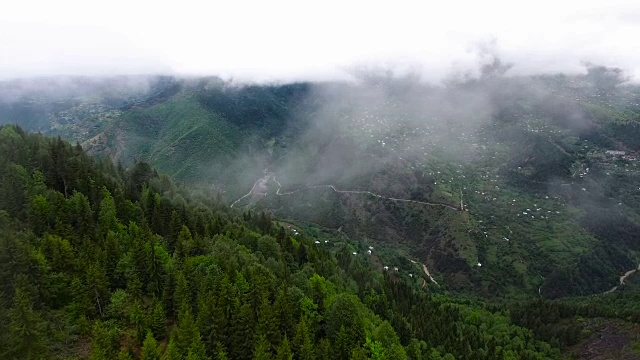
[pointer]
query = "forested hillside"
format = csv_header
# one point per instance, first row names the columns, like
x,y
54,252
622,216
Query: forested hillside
x,y
103,262
315,181
503,186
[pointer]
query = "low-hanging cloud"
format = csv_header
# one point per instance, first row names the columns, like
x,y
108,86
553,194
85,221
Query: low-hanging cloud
x,y
293,40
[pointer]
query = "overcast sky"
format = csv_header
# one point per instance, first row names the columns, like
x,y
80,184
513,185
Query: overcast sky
x,y
293,40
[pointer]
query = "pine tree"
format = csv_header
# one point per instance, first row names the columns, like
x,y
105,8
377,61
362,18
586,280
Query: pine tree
x,y
221,354
193,356
345,323
342,345
155,271
182,294
242,323
219,326
395,351
302,342
416,349
134,285
197,349
318,286
150,349
175,226
112,255
173,352
158,320
284,311
242,288
138,319
385,334
26,337
284,350
168,290
223,310
98,286
58,252
137,236
125,354
187,334
158,223
268,324
360,354
184,242
323,350
104,341
39,214
13,194
81,304
107,219
204,321
83,215
262,350
4,327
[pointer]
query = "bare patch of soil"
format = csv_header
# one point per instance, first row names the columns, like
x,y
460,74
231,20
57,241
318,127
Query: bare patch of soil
x,y
609,339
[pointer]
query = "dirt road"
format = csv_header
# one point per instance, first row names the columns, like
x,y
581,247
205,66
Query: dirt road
x,y
623,278
426,271
364,192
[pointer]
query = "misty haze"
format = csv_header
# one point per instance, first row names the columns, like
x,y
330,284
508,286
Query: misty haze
x,y
319,181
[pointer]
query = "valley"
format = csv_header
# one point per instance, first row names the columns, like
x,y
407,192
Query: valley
x,y
296,180
543,168
514,201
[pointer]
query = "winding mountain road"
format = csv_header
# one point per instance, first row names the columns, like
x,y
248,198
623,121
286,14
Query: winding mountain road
x,y
426,271
363,192
623,278
265,179
247,194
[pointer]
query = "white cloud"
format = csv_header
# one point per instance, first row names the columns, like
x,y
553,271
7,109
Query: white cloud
x,y
283,40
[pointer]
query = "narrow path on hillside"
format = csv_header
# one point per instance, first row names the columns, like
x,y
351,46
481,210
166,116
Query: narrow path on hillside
x,y
250,191
426,271
623,278
268,177
364,192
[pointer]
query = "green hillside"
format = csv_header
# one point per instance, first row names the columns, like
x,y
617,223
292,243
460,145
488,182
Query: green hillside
x,y
100,262
546,210
205,133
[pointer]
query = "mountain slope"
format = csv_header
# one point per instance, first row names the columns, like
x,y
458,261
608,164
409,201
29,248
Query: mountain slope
x,y
100,263
542,207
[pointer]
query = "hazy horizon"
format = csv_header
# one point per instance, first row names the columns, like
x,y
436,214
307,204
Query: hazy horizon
x,y
292,41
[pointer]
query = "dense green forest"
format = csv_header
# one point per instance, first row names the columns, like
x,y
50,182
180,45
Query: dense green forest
x,y
103,262
548,210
